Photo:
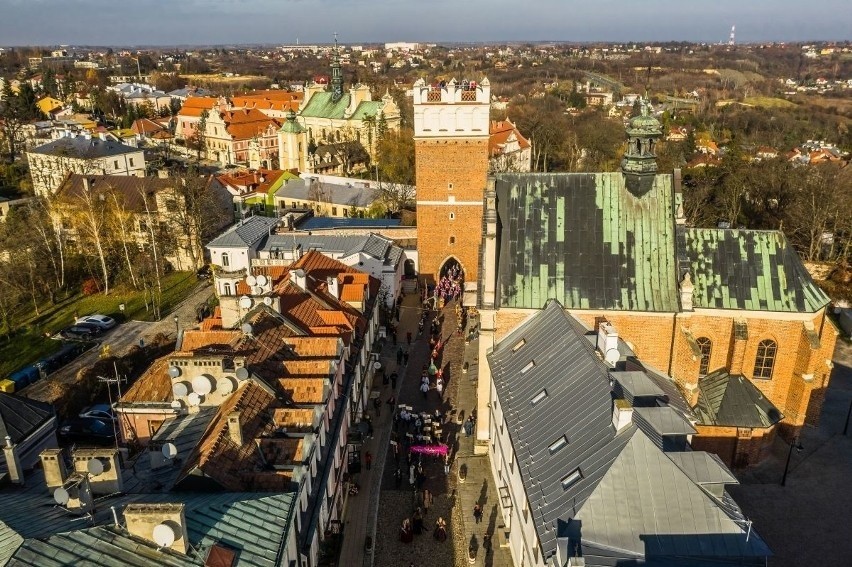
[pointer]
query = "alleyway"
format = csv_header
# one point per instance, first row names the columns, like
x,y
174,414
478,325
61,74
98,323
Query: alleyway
x,y
383,503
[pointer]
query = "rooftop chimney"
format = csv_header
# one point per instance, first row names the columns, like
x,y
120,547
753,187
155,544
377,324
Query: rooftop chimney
x,y
162,524
103,467
13,462
55,473
78,492
300,278
608,343
333,286
235,428
622,414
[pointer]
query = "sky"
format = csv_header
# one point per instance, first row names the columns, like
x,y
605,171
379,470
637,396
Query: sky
x,y
193,22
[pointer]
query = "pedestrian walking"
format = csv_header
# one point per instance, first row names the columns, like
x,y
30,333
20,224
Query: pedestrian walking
x,y
468,427
477,513
427,501
408,337
398,477
368,459
411,471
439,385
377,405
446,464
393,381
424,387
393,334
399,356
405,354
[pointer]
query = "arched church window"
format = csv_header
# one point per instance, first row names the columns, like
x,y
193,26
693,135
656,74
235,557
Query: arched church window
x,y
764,362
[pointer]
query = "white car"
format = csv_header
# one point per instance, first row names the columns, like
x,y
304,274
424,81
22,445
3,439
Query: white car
x,y
101,321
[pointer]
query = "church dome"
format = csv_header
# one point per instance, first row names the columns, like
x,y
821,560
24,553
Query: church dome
x,y
644,124
291,126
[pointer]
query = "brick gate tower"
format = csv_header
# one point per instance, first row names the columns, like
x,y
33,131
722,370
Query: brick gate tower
x,y
451,125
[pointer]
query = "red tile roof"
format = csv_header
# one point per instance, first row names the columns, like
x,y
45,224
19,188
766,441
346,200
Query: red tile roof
x,y
246,124
500,131
251,180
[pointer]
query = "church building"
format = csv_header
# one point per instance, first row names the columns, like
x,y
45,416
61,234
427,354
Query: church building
x,y
334,121
730,315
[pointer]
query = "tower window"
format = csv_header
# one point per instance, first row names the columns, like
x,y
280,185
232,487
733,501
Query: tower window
x,y
705,345
452,216
764,362
450,186
452,240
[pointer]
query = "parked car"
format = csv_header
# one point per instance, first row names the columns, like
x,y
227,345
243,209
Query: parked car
x,y
99,411
94,329
101,321
75,333
87,430
204,272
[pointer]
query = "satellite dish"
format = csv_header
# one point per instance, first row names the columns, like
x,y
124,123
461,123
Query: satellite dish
x,y
246,302
169,451
242,373
180,389
61,496
267,301
225,385
193,399
261,280
95,467
611,356
176,404
246,328
164,535
251,280
256,290
203,384
174,371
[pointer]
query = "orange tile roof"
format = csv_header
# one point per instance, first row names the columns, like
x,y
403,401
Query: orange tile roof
x,y
251,180
195,105
304,390
352,293
269,100
230,465
293,417
500,131
316,367
154,385
194,340
313,347
335,318
246,124
214,322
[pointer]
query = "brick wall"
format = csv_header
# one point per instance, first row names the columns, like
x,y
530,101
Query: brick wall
x,y
650,336
464,164
738,448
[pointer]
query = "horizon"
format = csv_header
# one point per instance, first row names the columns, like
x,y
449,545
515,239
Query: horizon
x,y
157,23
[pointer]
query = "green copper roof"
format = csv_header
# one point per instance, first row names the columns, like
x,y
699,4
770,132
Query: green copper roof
x,y
749,269
291,125
321,105
585,240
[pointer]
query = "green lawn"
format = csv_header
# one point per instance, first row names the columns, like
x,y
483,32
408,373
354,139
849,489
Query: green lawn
x,y
30,344
768,102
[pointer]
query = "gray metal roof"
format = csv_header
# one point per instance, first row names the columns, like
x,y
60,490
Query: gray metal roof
x,y
636,383
662,421
252,524
80,147
551,383
245,233
334,193
646,506
578,404
374,245
324,223
732,400
21,416
703,467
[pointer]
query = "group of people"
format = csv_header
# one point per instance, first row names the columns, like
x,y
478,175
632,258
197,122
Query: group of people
x,y
416,524
449,287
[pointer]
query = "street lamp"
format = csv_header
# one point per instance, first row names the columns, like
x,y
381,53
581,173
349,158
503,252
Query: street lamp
x,y
177,324
798,447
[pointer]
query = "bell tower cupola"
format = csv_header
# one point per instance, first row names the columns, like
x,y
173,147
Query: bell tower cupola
x,y
639,165
336,73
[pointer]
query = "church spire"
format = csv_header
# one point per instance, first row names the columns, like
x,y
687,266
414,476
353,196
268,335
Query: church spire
x,y
336,73
640,160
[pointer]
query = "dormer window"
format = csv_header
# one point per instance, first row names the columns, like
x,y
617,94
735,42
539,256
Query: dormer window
x,y
572,479
538,397
530,365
